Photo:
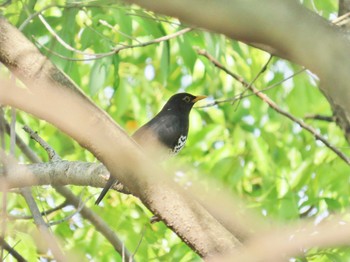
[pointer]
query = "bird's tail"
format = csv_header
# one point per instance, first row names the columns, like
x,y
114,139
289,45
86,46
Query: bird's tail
x,y
108,185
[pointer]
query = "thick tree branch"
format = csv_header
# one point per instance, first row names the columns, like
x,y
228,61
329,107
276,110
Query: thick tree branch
x,y
344,7
96,131
61,173
281,243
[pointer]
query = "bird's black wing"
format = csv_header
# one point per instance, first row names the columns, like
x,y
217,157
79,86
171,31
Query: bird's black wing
x,y
166,129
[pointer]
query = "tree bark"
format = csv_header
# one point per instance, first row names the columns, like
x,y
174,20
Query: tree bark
x,y
344,7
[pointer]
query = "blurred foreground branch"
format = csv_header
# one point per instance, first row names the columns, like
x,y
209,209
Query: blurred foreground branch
x,y
11,251
282,243
48,89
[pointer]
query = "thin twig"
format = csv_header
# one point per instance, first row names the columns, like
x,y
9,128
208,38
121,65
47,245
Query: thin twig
x,y
59,39
157,40
262,70
283,80
11,250
155,18
26,150
239,96
77,210
97,221
44,213
139,243
274,106
43,227
13,131
50,151
30,18
99,34
340,19
105,23
115,50
321,118
70,5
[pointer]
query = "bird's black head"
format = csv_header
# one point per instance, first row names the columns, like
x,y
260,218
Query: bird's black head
x,y
182,102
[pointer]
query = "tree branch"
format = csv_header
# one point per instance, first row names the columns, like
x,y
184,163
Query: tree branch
x,y
98,223
48,238
87,213
280,243
43,213
114,51
61,173
52,244
96,131
11,251
101,226
274,106
271,25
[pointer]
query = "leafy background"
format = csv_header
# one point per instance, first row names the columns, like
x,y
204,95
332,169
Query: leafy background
x,y
280,170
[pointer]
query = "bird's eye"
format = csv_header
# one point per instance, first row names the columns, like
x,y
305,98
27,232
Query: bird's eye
x,y
187,99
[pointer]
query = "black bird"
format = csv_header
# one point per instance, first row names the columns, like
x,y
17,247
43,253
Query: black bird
x,y
166,133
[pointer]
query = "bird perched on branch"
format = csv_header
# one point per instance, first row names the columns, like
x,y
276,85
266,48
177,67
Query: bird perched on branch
x,y
166,133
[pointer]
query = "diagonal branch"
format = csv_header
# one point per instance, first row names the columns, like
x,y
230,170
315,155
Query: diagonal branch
x,y
87,213
98,223
96,131
11,250
275,107
52,243
44,229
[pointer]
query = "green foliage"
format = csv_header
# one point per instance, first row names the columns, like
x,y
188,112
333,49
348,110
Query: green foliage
x,y
280,170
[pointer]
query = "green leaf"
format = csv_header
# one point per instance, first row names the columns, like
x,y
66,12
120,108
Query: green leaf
x,y
165,61
98,76
149,25
187,53
122,100
332,204
287,208
116,62
87,38
260,152
125,23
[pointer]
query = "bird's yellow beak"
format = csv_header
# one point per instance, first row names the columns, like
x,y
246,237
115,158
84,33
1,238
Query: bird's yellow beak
x,y
197,98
